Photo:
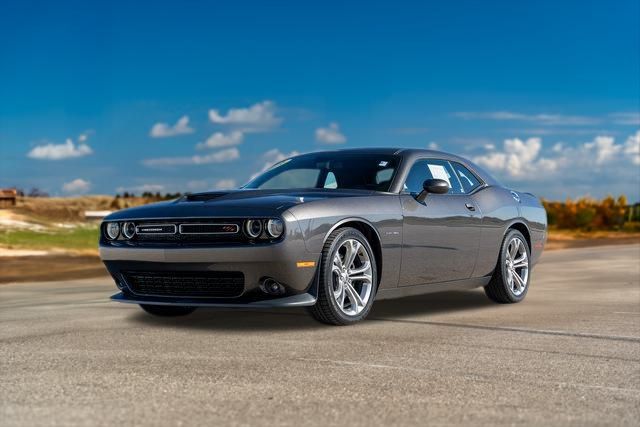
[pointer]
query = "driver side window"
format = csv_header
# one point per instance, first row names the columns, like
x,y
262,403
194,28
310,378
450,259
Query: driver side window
x,y
432,169
417,175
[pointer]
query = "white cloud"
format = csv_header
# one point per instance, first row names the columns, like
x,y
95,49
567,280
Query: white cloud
x,y
596,167
259,117
542,118
221,156
604,148
632,148
143,188
433,146
220,139
163,130
330,135
61,151
629,118
517,159
225,184
77,186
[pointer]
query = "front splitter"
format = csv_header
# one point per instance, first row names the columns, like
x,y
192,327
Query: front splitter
x,y
302,300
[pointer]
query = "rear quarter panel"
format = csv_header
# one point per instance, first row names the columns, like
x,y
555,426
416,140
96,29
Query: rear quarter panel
x,y
317,219
501,211
535,216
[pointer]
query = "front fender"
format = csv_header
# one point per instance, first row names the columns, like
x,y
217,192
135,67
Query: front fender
x,y
318,219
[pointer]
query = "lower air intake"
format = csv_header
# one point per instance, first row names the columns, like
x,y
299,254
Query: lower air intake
x,y
211,284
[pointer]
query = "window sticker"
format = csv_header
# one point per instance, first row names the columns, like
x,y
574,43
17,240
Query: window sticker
x,y
439,172
383,163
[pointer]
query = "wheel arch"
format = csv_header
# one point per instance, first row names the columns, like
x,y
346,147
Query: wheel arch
x,y
522,228
369,231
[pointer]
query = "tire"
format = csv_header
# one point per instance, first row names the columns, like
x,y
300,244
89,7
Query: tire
x,y
503,288
167,310
327,308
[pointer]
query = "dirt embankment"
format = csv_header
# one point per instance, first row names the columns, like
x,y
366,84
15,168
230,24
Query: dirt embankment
x,y
70,209
575,239
49,267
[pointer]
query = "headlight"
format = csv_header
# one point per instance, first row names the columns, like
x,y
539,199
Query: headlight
x,y
128,230
253,228
112,230
275,228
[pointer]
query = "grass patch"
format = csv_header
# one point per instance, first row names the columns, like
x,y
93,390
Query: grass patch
x,y
79,239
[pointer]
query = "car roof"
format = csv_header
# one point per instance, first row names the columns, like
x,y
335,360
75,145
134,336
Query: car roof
x,y
363,150
401,151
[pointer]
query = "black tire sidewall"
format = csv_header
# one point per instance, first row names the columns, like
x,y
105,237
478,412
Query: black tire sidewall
x,y
503,266
348,233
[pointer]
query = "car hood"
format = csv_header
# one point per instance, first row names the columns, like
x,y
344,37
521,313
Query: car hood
x,y
238,203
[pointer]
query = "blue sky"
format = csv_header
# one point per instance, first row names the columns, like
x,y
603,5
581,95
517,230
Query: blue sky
x,y
545,94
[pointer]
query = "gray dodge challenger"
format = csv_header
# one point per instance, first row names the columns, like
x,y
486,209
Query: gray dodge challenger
x,y
332,231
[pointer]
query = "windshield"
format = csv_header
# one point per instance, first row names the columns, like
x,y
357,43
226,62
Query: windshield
x,y
330,170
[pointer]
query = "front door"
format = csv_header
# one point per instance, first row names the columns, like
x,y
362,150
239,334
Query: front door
x,y
441,235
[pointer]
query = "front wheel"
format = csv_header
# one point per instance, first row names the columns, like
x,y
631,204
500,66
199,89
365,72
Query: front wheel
x,y
348,279
510,280
167,310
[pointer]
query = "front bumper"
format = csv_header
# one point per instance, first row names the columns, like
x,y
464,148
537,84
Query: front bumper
x,y
278,261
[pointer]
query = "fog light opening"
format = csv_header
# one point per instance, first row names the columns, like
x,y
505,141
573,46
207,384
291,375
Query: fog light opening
x,y
272,287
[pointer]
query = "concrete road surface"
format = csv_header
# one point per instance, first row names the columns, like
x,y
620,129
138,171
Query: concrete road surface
x,y
568,355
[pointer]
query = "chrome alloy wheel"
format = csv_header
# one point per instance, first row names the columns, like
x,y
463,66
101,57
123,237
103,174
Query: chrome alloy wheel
x,y
351,277
517,263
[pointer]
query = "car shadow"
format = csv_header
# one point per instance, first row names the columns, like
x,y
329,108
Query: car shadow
x,y
298,319
436,303
234,320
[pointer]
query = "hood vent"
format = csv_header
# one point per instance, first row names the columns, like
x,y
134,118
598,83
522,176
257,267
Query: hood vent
x,y
204,197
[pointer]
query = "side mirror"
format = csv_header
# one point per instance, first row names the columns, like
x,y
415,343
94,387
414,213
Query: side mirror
x,y
435,186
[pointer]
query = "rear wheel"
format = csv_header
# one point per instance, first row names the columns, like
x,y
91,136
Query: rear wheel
x,y
167,310
510,280
347,285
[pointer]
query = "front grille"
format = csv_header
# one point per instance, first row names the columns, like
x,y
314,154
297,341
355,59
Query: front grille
x,y
191,231
209,284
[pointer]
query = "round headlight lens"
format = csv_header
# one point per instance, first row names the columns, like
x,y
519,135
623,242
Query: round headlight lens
x,y
128,230
275,227
253,228
112,230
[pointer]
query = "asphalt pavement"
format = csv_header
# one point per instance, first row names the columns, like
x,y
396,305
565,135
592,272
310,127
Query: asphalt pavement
x,y
568,355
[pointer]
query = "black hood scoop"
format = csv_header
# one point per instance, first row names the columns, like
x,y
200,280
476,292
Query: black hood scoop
x,y
204,197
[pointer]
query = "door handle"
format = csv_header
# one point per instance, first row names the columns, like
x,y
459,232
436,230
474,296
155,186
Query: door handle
x,y
470,206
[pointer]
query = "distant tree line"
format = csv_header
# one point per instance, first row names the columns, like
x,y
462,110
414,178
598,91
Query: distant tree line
x,y
149,195
34,192
590,214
